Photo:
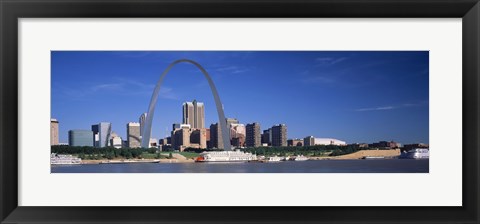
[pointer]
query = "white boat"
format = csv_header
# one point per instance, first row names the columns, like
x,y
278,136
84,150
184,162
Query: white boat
x,y
373,157
274,159
286,158
64,159
417,153
226,156
301,158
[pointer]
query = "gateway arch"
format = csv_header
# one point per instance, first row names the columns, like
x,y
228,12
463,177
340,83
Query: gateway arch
x,y
147,129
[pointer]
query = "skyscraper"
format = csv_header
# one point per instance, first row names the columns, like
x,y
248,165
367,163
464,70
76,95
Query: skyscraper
x,y
53,131
194,114
279,135
216,140
141,120
253,135
133,135
80,138
102,134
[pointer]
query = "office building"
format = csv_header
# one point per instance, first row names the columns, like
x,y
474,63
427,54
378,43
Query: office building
x,y
53,131
198,138
181,138
194,114
295,142
279,135
142,121
133,135
267,137
309,141
80,138
102,134
187,137
216,139
207,133
253,136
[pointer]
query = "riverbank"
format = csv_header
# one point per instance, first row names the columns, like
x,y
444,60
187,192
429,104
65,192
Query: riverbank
x,y
178,158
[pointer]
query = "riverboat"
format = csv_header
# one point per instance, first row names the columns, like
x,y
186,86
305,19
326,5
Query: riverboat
x,y
64,159
417,153
226,156
301,158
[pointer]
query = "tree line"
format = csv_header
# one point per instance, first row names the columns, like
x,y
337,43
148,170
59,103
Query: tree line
x,y
316,150
88,152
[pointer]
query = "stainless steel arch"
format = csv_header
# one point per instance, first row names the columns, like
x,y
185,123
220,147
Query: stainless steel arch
x,y
147,129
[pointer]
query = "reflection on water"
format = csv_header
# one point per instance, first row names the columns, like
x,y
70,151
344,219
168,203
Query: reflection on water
x,y
318,166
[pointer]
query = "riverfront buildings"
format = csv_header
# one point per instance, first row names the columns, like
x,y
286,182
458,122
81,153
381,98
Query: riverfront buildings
x,y
133,135
237,135
267,137
53,131
80,138
191,133
295,142
187,137
216,140
279,135
385,145
194,114
231,121
253,138
102,134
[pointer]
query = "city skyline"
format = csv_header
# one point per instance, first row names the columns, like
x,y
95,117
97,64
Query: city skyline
x,y
390,99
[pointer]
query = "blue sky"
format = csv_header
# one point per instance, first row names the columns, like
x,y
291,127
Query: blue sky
x,y
356,96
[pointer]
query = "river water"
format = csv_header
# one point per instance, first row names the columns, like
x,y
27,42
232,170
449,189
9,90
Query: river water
x,y
312,166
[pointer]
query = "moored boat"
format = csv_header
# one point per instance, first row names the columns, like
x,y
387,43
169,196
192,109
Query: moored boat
x,y
301,158
226,156
373,157
418,153
274,159
56,159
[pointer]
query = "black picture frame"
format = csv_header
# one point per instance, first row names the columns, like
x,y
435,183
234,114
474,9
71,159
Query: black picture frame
x,y
12,10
